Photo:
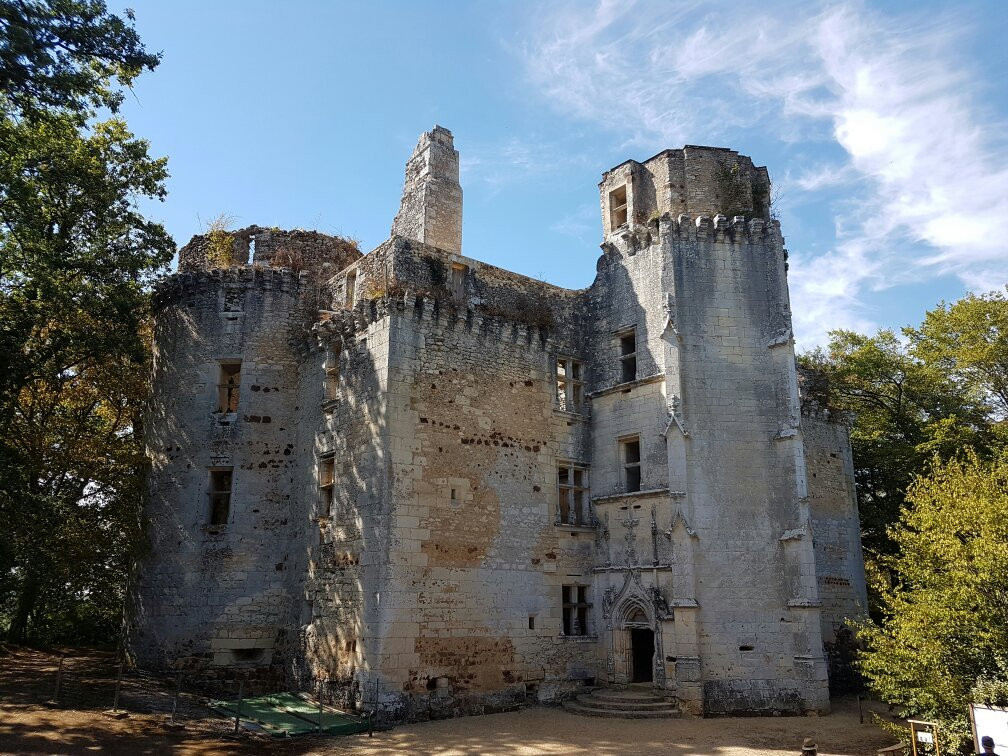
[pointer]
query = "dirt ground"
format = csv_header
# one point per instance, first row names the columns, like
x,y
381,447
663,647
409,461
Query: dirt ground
x,y
77,724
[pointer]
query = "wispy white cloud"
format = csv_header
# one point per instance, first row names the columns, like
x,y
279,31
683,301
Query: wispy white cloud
x,y
924,178
498,164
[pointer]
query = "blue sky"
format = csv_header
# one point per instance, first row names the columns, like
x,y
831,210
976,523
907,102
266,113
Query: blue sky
x,y
883,126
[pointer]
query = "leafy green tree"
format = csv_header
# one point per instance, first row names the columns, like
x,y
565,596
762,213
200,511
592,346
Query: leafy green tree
x,y
968,341
76,260
903,411
67,56
944,641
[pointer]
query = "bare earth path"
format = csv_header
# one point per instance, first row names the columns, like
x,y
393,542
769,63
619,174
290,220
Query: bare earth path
x,y
27,725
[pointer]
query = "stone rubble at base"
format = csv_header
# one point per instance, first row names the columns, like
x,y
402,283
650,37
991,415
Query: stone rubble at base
x,y
467,489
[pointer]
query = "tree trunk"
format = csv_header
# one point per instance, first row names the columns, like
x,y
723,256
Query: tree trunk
x,y
27,598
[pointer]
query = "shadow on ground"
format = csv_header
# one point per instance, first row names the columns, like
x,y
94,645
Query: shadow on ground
x,y
78,725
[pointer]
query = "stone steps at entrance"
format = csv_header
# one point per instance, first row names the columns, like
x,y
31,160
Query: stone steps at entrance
x,y
587,699
626,703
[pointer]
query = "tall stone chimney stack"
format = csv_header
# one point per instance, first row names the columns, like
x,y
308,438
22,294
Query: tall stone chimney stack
x,y
431,209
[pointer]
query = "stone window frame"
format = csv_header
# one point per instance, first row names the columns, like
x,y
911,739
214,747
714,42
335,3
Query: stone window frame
x,y
631,470
350,289
326,483
459,277
331,377
627,356
576,610
619,206
570,393
220,488
572,480
228,386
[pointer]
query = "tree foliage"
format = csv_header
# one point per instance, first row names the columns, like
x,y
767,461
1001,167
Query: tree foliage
x,y
904,411
76,259
944,641
67,56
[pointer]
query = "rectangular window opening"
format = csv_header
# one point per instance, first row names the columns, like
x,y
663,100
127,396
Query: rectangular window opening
x,y
628,356
531,623
228,386
576,609
572,496
618,207
327,483
570,384
332,374
220,495
630,454
351,286
459,273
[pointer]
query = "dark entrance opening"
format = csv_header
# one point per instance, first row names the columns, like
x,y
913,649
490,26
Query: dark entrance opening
x,y
642,650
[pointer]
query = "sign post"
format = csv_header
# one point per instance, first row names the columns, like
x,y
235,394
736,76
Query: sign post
x,y
924,738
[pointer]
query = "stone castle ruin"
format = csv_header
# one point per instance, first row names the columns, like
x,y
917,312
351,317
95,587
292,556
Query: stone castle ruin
x,y
415,473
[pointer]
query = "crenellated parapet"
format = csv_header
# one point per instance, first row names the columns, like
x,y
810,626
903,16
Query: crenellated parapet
x,y
188,285
435,315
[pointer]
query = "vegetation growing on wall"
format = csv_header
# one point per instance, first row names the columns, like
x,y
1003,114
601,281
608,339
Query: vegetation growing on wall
x,y
733,190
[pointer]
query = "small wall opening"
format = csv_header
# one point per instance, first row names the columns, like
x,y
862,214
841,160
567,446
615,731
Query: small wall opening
x,y
630,454
251,250
459,273
220,495
618,207
628,356
247,654
228,386
351,287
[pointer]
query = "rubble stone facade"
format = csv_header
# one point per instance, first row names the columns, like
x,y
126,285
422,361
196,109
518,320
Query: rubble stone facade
x,y
424,479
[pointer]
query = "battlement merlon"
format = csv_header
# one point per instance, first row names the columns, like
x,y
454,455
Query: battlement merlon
x,y
431,208
693,180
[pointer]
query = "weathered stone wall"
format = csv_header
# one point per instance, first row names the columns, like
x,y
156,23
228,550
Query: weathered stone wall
x,y
347,548
473,446
835,523
220,597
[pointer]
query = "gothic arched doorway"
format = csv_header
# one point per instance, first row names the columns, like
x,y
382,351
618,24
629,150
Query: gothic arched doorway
x,y
642,647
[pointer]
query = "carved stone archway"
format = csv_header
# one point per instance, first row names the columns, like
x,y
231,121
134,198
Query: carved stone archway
x,y
633,607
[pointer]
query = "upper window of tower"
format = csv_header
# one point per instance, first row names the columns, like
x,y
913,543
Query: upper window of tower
x,y
331,382
618,207
228,386
570,384
459,272
631,459
220,495
628,356
351,286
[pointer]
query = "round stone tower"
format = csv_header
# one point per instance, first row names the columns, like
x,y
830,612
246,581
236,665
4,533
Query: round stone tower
x,y
216,592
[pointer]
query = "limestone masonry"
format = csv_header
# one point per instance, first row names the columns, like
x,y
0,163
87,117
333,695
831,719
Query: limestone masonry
x,y
417,476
